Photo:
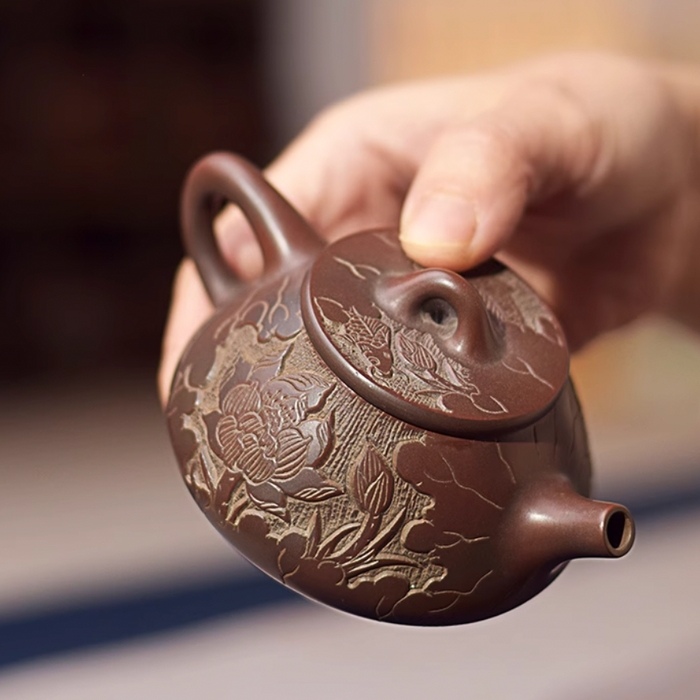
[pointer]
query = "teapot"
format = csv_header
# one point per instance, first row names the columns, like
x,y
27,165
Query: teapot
x,y
401,443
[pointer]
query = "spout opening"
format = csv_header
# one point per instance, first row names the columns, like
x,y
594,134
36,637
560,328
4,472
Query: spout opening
x,y
619,532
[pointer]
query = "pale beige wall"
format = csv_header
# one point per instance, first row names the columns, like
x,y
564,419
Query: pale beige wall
x,y
416,38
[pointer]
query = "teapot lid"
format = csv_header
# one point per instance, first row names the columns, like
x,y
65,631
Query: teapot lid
x,y
467,354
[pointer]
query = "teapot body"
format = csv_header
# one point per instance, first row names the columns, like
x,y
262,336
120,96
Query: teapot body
x,y
329,490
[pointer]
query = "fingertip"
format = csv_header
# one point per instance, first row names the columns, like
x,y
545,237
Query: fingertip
x,y
455,256
438,230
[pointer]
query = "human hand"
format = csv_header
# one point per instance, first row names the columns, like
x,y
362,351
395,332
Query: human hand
x,y
578,171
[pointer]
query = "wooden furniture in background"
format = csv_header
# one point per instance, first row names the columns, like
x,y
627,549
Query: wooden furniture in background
x,y
105,105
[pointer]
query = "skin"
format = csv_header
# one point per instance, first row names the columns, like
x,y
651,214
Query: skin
x,y
582,172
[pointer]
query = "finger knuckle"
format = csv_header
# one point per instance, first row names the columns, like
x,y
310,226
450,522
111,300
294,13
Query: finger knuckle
x,y
493,143
583,135
495,139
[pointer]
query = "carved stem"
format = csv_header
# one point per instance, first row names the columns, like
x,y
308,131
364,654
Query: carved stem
x,y
364,536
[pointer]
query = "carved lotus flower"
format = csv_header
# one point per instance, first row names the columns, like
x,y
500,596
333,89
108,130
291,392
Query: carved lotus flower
x,y
265,434
371,483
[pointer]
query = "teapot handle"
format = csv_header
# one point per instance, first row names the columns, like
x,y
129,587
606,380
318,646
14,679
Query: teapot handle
x,y
284,235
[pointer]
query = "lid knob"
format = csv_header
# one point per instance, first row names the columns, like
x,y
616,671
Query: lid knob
x,y
446,305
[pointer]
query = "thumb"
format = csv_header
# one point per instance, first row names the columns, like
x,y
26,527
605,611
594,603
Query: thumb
x,y
479,177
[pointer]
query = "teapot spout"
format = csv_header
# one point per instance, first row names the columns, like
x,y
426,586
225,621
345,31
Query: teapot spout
x,y
554,524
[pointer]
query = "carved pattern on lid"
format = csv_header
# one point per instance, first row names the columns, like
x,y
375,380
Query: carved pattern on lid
x,y
402,363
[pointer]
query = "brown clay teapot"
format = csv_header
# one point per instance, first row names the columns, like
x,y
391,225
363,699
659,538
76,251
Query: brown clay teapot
x,y
400,443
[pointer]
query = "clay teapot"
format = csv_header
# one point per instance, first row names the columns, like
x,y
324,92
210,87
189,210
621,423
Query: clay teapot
x,y
401,443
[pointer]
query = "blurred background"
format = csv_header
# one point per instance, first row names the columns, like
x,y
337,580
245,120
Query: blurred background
x,y
111,582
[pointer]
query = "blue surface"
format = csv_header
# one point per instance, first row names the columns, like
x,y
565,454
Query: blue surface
x,y
49,632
